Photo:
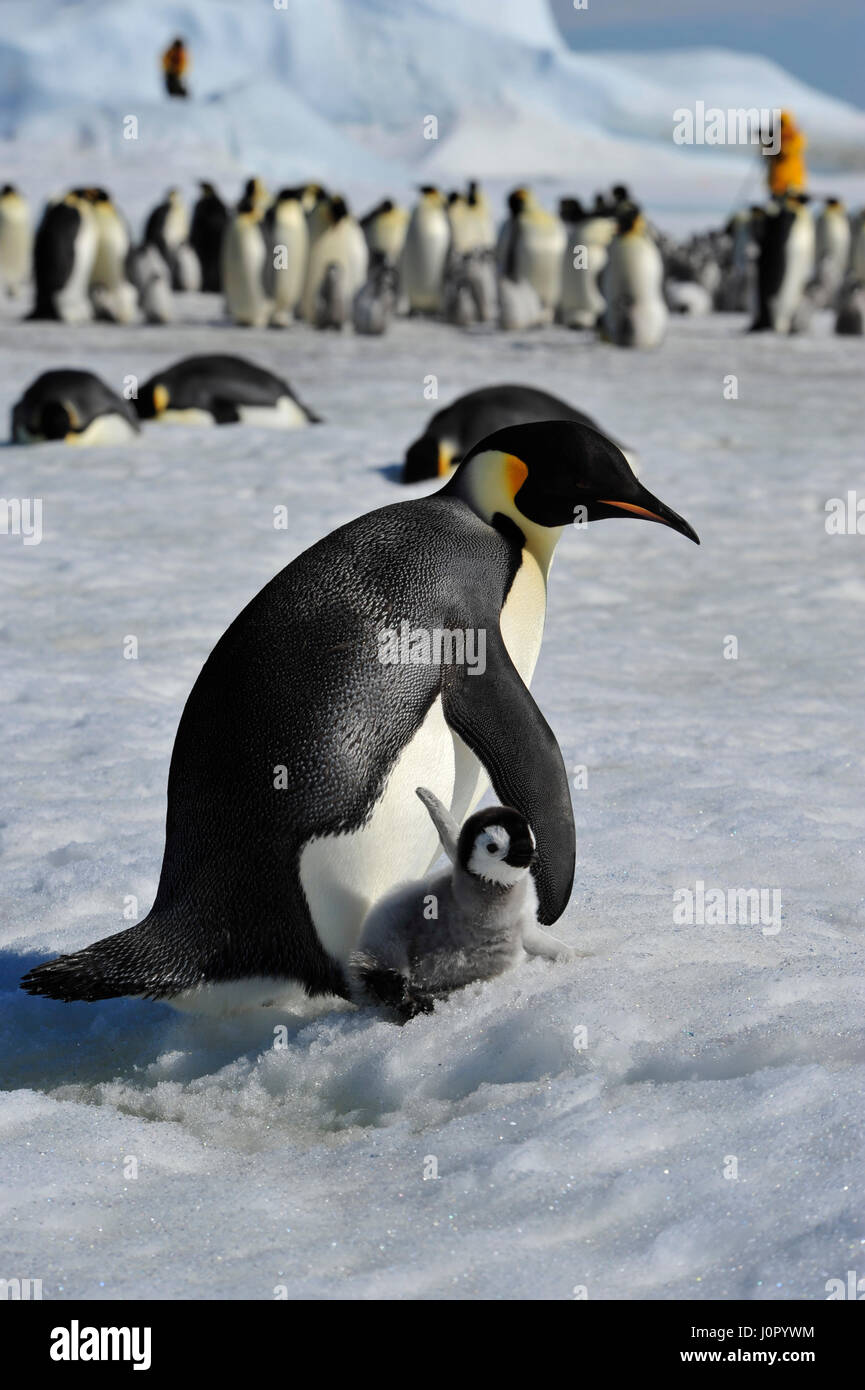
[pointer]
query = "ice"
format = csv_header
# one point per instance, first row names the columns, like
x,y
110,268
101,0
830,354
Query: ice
x,y
262,1167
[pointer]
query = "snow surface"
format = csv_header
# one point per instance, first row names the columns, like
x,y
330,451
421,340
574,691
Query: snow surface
x,y
303,1168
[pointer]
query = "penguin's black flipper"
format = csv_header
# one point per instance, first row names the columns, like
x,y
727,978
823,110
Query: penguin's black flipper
x,y
496,716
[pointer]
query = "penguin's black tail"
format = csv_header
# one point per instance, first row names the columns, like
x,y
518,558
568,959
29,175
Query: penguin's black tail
x,y
126,963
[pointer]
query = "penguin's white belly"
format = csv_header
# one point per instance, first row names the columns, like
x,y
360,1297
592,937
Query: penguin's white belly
x,y
285,415
424,256
344,875
16,247
290,232
109,263
633,286
798,268
540,248
343,245
242,276
176,226
582,302
72,302
105,429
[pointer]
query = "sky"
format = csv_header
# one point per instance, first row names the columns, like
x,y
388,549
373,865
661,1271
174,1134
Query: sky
x,y
821,43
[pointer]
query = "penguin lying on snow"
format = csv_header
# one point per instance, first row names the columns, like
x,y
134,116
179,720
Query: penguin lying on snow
x,y
467,923
300,747
455,428
74,406
220,390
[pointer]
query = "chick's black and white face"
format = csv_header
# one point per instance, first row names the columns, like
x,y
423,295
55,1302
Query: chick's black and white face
x,y
500,849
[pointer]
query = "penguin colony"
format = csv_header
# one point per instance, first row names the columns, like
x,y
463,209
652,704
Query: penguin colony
x,y
300,254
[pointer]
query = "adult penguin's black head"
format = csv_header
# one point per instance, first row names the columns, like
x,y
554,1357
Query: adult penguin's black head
x,y
553,473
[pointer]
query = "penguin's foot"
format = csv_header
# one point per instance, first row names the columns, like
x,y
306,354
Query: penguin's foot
x,y
390,989
416,1002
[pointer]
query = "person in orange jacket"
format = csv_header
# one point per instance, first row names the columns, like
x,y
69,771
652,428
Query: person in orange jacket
x,y
175,64
787,172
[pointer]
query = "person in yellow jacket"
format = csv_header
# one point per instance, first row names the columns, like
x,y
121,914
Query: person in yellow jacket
x,y
175,64
787,172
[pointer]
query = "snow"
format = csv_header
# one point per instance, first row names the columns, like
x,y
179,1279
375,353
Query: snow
x,y
261,1168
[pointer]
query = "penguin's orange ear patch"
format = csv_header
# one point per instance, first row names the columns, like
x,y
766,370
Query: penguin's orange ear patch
x,y
516,473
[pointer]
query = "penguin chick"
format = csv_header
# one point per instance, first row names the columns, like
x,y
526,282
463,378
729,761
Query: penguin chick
x,y
470,922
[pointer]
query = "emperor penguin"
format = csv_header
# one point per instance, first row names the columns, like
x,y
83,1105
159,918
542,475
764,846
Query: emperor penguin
x,y
520,306
385,227
375,302
287,239
633,286
167,228
832,252
16,240
586,251
470,221
151,278
63,255
219,389
396,652
456,428
243,267
786,266
738,292
332,303
531,246
337,265
72,406
470,292
425,253
255,190
315,201
483,919
206,230
114,296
